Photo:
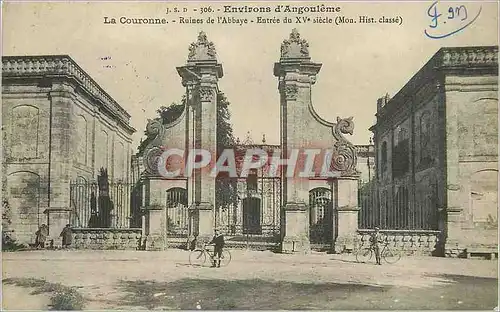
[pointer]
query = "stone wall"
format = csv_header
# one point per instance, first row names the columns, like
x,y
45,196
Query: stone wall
x,y
55,116
122,239
410,242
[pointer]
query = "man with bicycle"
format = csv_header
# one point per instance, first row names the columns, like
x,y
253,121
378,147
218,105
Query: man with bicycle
x,y
218,242
375,240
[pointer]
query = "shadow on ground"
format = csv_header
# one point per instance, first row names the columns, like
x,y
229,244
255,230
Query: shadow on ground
x,y
252,294
458,293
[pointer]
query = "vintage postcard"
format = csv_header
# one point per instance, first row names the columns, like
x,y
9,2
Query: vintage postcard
x,y
250,155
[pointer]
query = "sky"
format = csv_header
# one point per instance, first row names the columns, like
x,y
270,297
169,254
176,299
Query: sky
x,y
136,64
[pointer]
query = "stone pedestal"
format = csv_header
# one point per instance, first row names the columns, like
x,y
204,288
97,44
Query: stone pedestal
x,y
346,218
156,231
452,245
57,218
202,222
296,228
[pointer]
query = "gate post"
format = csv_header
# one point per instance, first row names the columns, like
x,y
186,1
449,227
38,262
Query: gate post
x,y
200,76
347,212
296,228
156,236
296,74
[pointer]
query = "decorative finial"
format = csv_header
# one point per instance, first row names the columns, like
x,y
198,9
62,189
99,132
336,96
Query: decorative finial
x,y
264,138
248,139
295,47
202,49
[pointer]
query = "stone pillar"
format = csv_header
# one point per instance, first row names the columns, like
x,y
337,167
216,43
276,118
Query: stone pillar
x,y
453,208
200,77
296,238
296,74
346,214
57,218
61,160
156,238
156,214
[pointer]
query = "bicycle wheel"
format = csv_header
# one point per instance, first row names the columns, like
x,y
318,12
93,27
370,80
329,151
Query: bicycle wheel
x,y
197,257
225,258
364,255
391,256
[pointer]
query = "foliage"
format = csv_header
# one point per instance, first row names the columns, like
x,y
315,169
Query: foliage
x,y
226,193
9,243
63,298
6,215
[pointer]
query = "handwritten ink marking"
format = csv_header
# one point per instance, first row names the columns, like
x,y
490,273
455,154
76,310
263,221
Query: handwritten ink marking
x,y
454,13
435,16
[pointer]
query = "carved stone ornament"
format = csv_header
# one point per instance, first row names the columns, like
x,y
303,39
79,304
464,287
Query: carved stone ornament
x,y
151,158
202,49
295,47
153,127
344,158
206,94
470,56
154,132
291,92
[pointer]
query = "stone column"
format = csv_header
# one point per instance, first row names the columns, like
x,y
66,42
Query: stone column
x,y
346,214
296,74
200,77
61,160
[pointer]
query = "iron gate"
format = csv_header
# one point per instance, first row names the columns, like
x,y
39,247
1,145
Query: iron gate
x,y
320,216
93,206
177,212
257,212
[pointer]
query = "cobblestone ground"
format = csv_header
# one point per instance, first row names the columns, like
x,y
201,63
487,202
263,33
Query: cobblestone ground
x,y
253,280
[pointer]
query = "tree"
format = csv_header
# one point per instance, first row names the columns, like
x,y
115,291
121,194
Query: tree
x,y
226,193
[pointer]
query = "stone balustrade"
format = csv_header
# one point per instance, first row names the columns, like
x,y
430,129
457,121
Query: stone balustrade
x,y
469,56
60,65
411,242
96,238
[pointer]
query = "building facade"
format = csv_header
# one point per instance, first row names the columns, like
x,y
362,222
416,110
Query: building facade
x,y
59,126
437,150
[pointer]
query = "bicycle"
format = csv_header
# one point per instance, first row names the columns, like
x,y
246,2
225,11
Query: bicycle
x,y
198,257
364,255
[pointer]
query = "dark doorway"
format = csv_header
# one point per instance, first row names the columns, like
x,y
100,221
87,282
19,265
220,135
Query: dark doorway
x,y
251,216
320,216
